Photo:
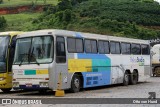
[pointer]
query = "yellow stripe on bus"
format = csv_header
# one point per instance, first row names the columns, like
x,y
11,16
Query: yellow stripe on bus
x,y
79,65
42,71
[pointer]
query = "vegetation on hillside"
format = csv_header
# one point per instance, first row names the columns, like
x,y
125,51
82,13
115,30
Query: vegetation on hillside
x,y
113,17
20,21
129,18
3,23
14,3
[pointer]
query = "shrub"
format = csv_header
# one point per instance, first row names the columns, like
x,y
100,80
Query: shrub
x,y
1,1
3,23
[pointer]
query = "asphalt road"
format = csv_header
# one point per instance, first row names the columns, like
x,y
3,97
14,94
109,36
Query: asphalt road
x,y
140,90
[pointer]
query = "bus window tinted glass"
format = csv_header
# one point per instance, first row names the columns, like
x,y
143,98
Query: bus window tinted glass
x,y
34,50
91,46
4,41
126,48
145,49
115,47
60,50
22,52
75,45
94,46
103,47
136,49
88,46
71,44
79,45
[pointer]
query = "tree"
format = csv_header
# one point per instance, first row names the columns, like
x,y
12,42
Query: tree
x,y
1,1
64,4
3,23
100,2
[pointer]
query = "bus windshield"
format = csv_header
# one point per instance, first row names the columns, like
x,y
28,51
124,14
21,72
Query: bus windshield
x,y
4,41
35,50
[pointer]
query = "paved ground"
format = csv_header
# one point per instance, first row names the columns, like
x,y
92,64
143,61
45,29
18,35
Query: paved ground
x,y
140,90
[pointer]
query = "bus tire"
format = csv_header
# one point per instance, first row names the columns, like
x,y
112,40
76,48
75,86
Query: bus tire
x,y
6,90
75,83
134,78
126,79
157,71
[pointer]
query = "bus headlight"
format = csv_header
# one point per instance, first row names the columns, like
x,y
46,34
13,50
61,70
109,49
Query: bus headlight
x,y
2,78
43,84
15,84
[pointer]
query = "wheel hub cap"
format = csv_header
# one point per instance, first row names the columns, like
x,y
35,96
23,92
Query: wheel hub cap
x,y
76,83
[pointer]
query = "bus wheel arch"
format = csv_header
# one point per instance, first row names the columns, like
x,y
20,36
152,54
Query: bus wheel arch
x,y
76,82
126,78
134,77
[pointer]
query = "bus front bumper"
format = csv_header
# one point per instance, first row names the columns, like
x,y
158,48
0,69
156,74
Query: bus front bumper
x,y
41,85
4,84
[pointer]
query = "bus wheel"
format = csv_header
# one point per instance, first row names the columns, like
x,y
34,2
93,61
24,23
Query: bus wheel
x,y
157,71
75,83
6,90
126,79
134,78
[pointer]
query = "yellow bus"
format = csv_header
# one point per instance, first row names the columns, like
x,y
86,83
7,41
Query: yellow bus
x,y
7,48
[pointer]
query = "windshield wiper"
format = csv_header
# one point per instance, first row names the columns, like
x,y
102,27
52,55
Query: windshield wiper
x,y
33,56
21,61
22,58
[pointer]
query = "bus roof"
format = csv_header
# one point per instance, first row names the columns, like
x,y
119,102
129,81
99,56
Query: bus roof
x,y
11,33
67,33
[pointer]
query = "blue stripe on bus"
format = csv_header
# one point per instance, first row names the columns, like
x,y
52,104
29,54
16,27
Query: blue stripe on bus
x,y
101,70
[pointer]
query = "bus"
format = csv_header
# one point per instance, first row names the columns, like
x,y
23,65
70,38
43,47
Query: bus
x,y
155,52
7,47
60,59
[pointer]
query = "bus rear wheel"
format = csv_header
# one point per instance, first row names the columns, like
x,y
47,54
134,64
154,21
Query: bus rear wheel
x,y
6,90
134,78
75,83
126,79
157,71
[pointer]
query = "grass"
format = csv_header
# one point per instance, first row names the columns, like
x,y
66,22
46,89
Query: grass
x,y
14,3
20,21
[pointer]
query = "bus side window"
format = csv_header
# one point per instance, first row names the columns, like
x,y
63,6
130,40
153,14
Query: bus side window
x,y
145,49
115,47
60,50
11,53
135,49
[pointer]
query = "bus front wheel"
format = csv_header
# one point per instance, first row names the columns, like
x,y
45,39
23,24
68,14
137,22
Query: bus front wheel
x,y
126,79
6,90
75,83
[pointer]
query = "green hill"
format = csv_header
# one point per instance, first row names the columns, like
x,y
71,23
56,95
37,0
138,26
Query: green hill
x,y
14,3
129,18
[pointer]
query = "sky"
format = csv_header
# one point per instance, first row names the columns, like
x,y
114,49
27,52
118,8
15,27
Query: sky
x,y
157,0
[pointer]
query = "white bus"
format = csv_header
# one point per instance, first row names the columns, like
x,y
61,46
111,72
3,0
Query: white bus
x,y
46,58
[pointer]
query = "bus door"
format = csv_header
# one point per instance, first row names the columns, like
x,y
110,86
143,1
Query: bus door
x,y
61,73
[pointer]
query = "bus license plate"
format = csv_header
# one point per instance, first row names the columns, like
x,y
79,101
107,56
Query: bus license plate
x,y
28,85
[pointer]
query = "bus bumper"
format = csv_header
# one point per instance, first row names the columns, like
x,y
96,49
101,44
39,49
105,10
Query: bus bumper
x,y
4,84
41,85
